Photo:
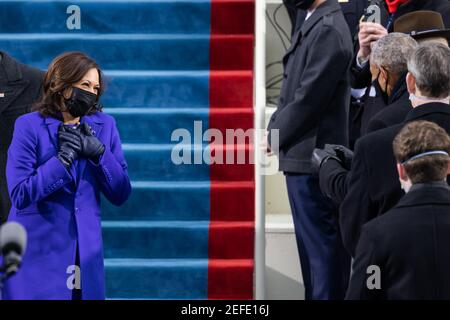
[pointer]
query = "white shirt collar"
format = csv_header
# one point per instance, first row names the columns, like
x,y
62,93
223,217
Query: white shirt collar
x,y
309,13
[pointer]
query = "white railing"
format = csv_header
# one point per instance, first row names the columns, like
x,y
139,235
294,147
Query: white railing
x,y
259,123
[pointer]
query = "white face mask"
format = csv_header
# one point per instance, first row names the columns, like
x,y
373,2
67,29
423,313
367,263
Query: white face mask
x,y
406,185
413,98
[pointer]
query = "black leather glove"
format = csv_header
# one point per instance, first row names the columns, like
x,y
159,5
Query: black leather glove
x,y
92,148
69,147
344,154
320,156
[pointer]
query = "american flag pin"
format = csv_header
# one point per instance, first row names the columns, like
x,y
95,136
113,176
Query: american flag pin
x,y
2,94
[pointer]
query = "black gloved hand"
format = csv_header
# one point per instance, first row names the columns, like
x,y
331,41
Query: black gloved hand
x,y
69,146
320,156
91,147
343,153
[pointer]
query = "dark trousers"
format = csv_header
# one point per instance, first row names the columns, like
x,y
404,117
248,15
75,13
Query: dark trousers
x,y
324,261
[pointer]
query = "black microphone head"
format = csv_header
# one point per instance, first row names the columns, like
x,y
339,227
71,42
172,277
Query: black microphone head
x,y
13,237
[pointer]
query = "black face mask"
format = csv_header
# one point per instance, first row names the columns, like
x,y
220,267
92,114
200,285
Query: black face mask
x,y
302,4
383,92
80,102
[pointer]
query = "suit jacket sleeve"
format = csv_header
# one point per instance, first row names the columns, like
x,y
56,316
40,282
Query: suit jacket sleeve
x,y
366,255
355,210
327,64
112,171
333,180
28,183
360,76
375,124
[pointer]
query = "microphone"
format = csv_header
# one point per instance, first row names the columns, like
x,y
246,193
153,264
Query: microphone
x,y
13,242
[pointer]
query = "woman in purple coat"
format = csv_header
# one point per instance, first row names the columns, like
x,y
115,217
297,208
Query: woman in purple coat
x,y
61,158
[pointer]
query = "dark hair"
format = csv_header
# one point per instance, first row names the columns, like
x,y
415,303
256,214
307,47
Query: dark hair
x,y
63,72
418,137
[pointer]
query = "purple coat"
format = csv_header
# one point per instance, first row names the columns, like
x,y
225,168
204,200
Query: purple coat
x,y
60,209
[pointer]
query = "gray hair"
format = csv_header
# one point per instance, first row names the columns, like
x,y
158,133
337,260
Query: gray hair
x,y
393,51
430,66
